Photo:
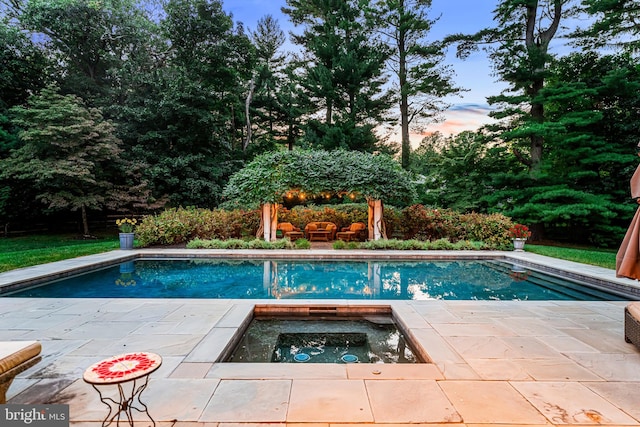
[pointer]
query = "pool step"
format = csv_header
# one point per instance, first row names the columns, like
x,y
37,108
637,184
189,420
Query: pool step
x,y
317,310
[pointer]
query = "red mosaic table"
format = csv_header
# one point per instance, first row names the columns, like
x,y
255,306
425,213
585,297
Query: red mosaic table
x,y
119,370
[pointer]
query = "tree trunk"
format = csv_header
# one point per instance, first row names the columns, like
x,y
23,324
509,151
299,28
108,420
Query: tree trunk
x,y
538,46
247,112
85,222
290,137
537,141
404,97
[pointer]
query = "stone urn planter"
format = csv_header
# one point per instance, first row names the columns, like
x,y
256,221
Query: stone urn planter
x,y
126,240
518,244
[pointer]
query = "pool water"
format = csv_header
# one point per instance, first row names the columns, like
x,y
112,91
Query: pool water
x,y
301,279
284,340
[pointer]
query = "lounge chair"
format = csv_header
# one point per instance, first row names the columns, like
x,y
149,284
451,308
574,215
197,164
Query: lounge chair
x,y
289,230
353,232
632,323
16,357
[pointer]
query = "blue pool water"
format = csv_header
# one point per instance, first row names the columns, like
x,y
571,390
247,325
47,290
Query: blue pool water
x,y
288,279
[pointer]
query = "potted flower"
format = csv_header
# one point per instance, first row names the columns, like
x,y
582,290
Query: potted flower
x,y
519,234
127,227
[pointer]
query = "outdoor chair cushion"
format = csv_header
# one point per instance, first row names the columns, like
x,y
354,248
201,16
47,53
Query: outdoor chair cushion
x,y
632,323
326,225
287,227
15,357
355,230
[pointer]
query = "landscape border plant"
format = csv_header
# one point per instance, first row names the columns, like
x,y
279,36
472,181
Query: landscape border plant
x,y
440,244
247,244
413,225
180,225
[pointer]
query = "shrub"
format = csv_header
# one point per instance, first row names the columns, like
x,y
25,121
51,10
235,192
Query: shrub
x,y
239,244
176,226
353,245
492,229
414,226
412,244
389,244
204,244
339,244
168,228
258,244
440,245
302,244
429,224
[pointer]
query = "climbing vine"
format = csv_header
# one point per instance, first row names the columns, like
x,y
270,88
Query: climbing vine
x,y
271,176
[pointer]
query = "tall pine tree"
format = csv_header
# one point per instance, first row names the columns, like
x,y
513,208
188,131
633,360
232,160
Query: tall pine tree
x,y
342,73
422,80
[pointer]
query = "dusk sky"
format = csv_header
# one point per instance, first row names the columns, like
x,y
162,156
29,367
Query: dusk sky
x,y
470,109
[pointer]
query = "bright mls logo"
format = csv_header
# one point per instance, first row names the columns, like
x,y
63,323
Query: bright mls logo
x,y
34,415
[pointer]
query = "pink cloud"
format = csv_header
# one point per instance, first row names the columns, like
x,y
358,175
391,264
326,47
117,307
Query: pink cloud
x,y
459,118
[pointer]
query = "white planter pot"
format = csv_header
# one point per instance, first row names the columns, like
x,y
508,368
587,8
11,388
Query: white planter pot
x,y
518,244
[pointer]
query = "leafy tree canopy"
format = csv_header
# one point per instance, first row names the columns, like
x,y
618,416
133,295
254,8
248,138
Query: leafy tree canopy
x,y
68,154
269,177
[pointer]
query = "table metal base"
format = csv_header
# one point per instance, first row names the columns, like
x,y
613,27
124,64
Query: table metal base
x,y
126,404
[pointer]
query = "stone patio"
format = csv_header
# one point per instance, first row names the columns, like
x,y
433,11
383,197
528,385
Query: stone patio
x,y
494,362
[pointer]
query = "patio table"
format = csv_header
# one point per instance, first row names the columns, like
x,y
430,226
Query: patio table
x,y
317,235
119,370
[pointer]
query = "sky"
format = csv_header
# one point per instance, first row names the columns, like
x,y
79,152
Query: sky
x,y
469,110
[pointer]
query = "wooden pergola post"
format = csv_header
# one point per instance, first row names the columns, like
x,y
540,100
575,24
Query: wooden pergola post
x,y
270,221
378,231
375,225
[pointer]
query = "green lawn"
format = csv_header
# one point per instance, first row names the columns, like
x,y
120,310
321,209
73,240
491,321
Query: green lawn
x,y
16,252
601,257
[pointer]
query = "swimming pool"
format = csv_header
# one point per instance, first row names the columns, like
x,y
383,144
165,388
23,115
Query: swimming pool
x,y
327,279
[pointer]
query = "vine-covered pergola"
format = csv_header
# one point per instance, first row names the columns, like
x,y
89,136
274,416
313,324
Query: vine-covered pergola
x,y
271,177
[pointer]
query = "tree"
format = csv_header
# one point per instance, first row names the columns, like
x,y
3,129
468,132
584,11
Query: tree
x,y
581,189
457,171
68,154
615,23
88,41
295,105
268,77
183,113
342,73
23,68
519,48
422,80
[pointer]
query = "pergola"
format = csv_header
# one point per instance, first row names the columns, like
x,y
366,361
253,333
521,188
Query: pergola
x,y
270,177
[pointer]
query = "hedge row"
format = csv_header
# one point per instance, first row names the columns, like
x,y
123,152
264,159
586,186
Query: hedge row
x,y
179,226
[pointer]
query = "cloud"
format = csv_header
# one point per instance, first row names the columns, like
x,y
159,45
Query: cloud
x,y
458,118
471,108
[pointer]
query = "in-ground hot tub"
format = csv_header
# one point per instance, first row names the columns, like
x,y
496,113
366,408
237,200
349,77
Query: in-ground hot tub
x,y
323,334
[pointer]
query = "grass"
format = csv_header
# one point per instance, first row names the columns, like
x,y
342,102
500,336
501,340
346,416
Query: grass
x,y
18,252
600,257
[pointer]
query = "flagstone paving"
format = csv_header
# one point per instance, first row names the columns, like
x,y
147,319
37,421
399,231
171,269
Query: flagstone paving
x,y
530,363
